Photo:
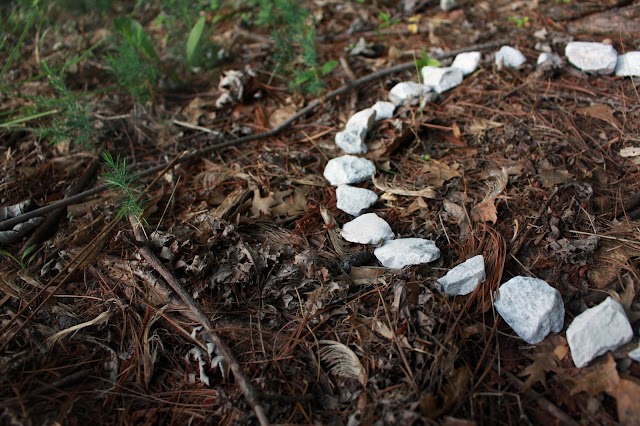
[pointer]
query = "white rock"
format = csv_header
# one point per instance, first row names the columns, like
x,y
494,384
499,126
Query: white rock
x,y
352,139
447,5
364,118
551,59
354,201
441,79
531,307
592,58
348,169
467,62
635,354
597,330
367,229
408,93
464,278
628,65
508,57
397,254
384,110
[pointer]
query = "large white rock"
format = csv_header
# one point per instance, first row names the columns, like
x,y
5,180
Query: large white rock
x,y
354,201
351,140
348,169
628,65
464,278
467,62
384,110
531,307
409,93
592,58
397,254
508,57
598,330
367,229
364,118
441,79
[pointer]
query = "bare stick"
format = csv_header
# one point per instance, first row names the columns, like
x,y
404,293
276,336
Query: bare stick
x,y
407,66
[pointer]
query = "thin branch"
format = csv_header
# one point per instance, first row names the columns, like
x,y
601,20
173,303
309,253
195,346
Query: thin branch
x,y
407,66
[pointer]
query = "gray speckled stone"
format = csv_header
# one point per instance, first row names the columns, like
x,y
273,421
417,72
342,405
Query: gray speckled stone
x,y
467,62
592,58
384,110
348,169
367,229
403,252
409,93
351,140
508,57
628,65
597,330
441,79
354,201
531,307
464,278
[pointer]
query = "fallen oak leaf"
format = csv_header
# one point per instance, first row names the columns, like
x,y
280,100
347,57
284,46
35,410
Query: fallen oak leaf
x,y
601,112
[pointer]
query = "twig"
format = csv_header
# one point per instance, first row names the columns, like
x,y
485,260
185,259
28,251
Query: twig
x,y
406,66
222,347
544,403
524,238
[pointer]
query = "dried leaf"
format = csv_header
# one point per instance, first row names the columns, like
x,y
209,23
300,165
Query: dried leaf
x,y
342,361
436,173
399,189
601,377
543,362
455,211
485,210
601,112
628,404
479,126
100,319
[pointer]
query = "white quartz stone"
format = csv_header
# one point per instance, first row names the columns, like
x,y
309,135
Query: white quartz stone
x,y
464,278
598,330
397,254
531,307
367,229
508,57
552,59
592,58
628,65
441,79
447,5
635,354
352,139
467,62
364,118
354,201
408,93
348,169
384,110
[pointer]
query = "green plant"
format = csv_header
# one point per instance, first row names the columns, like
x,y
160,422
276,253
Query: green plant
x,y
118,177
294,35
28,23
72,119
520,21
135,63
386,21
425,60
25,259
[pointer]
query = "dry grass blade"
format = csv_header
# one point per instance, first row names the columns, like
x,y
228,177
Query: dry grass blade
x,y
404,190
100,319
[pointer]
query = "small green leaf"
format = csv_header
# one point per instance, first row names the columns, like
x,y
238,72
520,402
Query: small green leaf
x,y
328,67
303,77
135,34
194,39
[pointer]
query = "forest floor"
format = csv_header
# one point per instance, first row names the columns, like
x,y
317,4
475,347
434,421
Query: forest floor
x,y
211,285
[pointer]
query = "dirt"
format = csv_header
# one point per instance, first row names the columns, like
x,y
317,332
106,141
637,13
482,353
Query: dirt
x,y
521,166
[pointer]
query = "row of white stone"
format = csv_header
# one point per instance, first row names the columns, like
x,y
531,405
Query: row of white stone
x,y
530,306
